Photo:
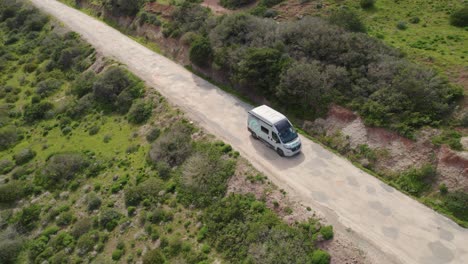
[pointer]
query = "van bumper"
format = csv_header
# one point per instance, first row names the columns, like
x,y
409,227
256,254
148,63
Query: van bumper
x,y
290,153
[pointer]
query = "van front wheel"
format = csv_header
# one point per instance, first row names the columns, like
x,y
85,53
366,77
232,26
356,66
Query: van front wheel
x,y
254,135
280,152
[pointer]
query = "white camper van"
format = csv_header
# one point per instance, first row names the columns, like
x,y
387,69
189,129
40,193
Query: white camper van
x,y
273,128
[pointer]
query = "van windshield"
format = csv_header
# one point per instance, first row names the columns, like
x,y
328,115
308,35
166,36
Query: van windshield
x,y
286,131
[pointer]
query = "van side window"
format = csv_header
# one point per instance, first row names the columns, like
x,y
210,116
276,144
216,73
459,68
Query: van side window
x,y
264,130
275,137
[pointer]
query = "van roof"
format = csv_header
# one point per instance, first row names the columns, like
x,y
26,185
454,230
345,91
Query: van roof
x,y
268,114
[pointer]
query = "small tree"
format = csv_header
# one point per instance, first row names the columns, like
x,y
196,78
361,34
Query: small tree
x,y
348,20
459,18
367,4
201,51
139,112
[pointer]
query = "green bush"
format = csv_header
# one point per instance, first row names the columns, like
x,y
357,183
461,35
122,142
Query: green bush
x,y
124,7
108,219
459,18
270,3
83,84
347,19
23,156
172,147
117,254
11,192
204,176
148,189
367,4
416,181
64,219
116,88
260,68
81,227
327,232
457,203
242,230
61,241
6,166
48,87
86,243
401,25
233,4
200,51
93,202
449,137
61,168
320,257
38,111
153,134
10,246
154,256
9,136
140,111
27,219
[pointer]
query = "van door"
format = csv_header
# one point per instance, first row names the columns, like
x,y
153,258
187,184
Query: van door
x,y
275,139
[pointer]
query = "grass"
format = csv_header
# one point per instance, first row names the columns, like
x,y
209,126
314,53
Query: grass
x,y
431,41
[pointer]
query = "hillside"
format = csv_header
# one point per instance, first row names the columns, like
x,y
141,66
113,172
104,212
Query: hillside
x,y
96,167
352,92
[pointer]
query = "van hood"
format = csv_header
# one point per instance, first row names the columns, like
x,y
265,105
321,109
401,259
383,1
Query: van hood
x,y
293,143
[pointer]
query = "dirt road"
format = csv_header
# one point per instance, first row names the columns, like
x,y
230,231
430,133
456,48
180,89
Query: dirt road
x,y
390,226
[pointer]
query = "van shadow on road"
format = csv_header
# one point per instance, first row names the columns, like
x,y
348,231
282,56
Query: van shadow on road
x,y
280,163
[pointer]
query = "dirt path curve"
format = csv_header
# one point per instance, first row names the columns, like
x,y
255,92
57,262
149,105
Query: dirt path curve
x,y
390,226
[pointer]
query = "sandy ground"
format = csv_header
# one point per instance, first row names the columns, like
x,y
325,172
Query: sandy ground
x,y
389,226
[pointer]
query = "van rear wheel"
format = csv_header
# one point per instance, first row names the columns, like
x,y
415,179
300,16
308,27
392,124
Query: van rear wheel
x,y
280,152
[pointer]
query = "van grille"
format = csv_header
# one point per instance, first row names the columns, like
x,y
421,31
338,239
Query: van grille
x,y
296,147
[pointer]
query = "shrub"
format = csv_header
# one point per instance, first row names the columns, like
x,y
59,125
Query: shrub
x,y
347,19
23,156
402,25
93,201
123,7
367,4
61,241
416,181
10,249
26,219
154,256
414,20
109,218
140,111
443,189
131,210
65,218
9,136
81,227
38,111
172,147
48,87
148,189
459,18
83,84
117,254
153,134
11,192
260,68
204,176
60,168
93,130
457,203
320,257
233,4
201,51
114,83
6,166
327,232
270,3
449,137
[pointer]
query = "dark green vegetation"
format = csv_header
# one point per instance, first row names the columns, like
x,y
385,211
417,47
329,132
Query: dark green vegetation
x,y
105,168
300,59
459,18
